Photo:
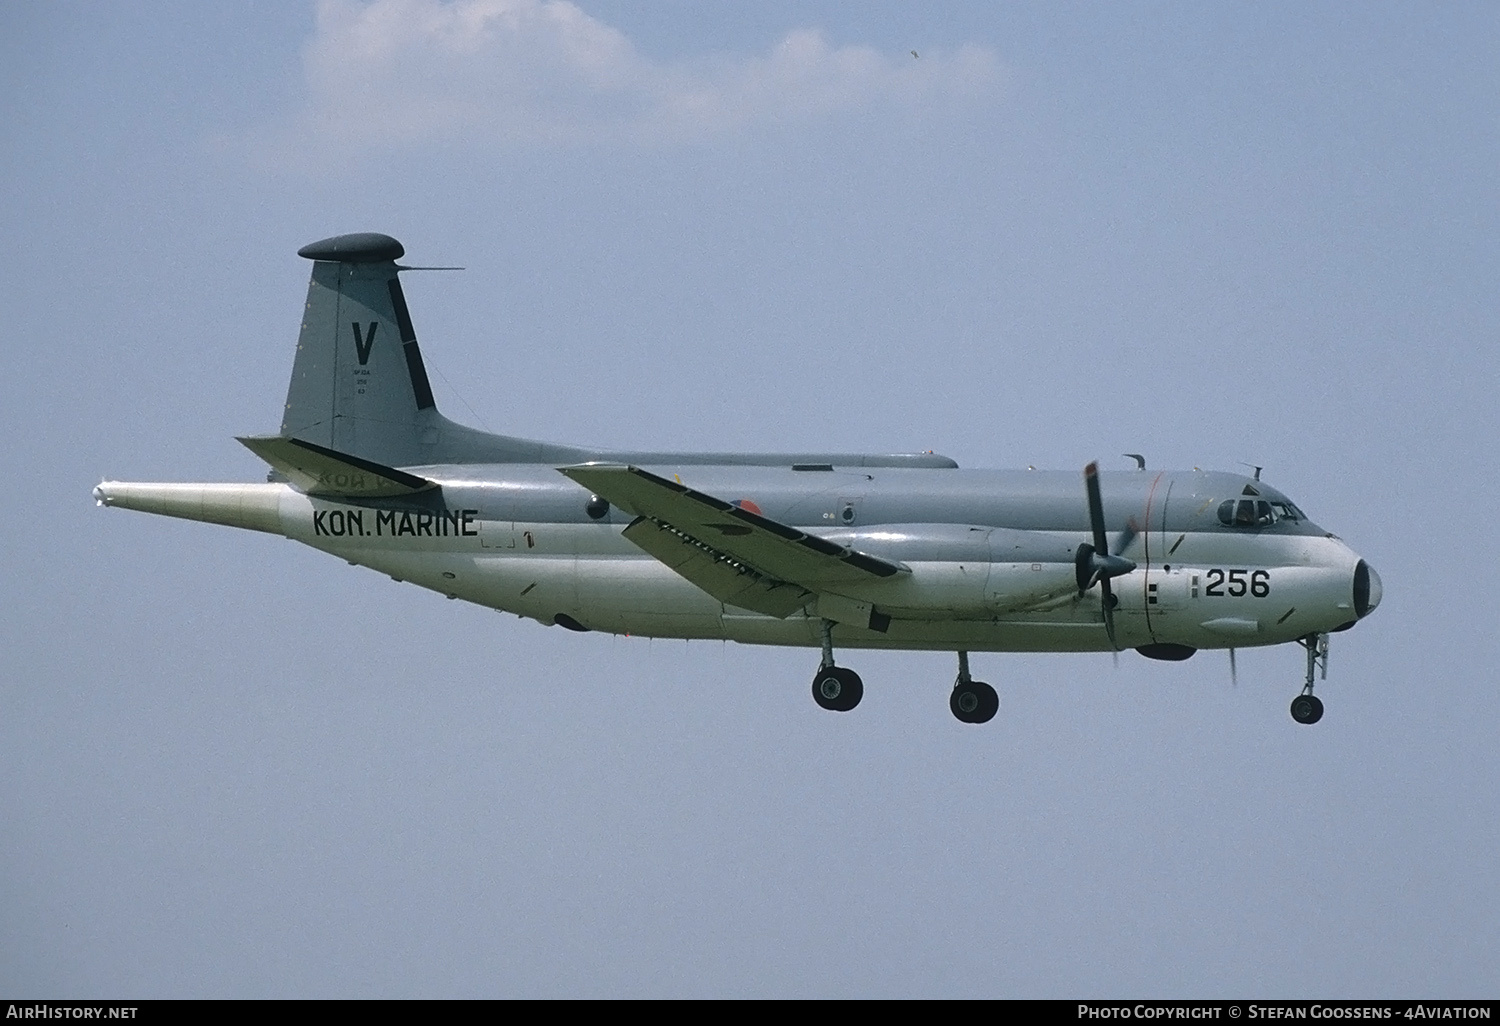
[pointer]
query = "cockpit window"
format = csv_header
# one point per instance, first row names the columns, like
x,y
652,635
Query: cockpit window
x,y
1248,513
1251,510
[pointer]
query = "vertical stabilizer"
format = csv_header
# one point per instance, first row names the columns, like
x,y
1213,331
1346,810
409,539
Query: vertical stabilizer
x,y
358,383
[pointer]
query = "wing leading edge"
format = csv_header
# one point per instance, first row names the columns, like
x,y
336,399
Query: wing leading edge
x,y
739,557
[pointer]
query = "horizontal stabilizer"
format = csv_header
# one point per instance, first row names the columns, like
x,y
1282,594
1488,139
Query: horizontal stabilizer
x,y
318,471
724,549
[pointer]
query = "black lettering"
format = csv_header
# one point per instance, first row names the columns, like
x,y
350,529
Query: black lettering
x,y
384,519
336,522
424,524
406,527
450,519
354,520
468,515
1258,584
318,526
362,345
1215,583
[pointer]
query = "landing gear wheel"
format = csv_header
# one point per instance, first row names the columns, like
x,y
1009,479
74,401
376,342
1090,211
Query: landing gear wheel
x,y
974,702
1307,709
837,688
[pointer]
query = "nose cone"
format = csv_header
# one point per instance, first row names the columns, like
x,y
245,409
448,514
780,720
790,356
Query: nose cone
x,y
1367,589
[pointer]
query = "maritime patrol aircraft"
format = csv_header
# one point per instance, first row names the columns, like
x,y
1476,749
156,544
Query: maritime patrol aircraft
x,y
832,551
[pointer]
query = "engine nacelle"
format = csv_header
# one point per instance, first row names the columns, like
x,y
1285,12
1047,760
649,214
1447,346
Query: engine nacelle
x,y
965,571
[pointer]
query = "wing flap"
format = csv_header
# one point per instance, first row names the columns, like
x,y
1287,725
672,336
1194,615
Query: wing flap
x,y
723,577
316,470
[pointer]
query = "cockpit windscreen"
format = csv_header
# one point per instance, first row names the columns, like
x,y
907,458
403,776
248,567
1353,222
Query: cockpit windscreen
x,y
1258,512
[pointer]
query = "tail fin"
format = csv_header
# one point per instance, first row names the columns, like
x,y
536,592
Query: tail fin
x,y
359,387
358,383
360,392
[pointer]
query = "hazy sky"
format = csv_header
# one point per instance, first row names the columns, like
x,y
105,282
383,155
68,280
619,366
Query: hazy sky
x,y
232,766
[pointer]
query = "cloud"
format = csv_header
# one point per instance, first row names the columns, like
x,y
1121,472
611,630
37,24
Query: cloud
x,y
405,72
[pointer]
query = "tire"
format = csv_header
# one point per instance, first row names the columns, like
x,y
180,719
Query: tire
x,y
837,689
1307,709
974,702
989,703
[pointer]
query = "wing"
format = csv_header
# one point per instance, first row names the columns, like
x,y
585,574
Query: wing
x,y
736,556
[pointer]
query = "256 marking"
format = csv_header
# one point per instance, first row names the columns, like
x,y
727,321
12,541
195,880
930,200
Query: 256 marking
x,y
1256,582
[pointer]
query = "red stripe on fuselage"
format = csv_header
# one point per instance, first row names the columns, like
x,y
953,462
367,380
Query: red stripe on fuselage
x,y
1146,540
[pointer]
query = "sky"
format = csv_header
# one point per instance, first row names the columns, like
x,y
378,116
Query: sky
x,y
1217,235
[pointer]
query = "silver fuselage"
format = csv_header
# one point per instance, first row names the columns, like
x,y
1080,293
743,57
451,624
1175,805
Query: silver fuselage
x,y
990,554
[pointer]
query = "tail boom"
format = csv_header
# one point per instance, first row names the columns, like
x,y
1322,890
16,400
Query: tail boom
x,y
255,507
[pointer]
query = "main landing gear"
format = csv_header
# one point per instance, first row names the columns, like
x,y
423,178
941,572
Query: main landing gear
x,y
1307,707
835,687
972,701
840,689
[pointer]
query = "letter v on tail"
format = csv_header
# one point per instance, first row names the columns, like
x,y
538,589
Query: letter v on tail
x,y
362,344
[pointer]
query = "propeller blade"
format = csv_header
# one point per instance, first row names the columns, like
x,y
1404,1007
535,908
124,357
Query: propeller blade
x,y
1096,508
1093,563
1132,529
1234,676
1108,598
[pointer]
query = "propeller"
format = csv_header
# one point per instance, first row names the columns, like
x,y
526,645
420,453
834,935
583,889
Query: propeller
x,y
1093,563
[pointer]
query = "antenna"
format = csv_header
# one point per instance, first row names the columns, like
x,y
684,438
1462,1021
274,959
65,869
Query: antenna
x,y
1140,461
403,267
1253,467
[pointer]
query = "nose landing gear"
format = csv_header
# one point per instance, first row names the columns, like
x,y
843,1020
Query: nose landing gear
x,y
972,701
1307,707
